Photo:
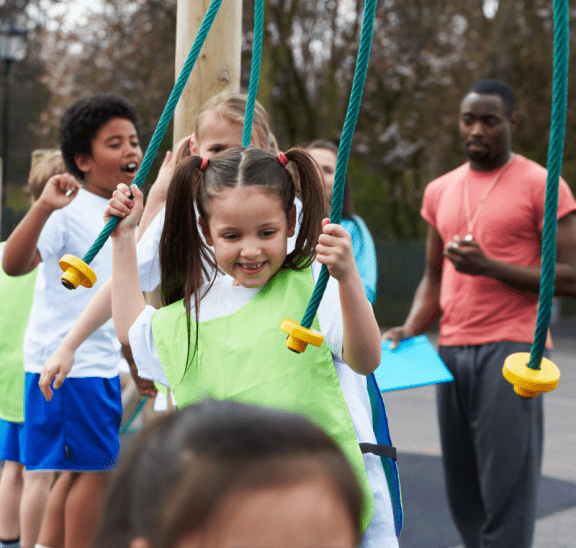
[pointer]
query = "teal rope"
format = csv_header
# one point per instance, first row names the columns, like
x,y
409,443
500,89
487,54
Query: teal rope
x,y
555,151
162,124
344,148
126,428
254,72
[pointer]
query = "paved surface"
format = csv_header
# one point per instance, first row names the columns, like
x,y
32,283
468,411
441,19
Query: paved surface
x,y
413,429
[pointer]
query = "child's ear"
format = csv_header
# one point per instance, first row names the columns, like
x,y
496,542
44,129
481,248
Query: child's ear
x,y
82,162
193,147
292,222
205,230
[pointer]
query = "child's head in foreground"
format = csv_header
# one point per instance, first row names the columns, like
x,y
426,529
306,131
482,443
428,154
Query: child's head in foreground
x,y
45,163
99,141
230,475
245,200
219,125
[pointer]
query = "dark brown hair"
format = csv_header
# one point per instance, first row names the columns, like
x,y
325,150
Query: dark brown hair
x,y
180,470
185,260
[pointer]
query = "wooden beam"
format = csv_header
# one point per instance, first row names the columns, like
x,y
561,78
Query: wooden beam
x,y
218,65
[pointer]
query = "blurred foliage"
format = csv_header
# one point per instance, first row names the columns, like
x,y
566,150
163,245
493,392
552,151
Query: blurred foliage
x,y
424,55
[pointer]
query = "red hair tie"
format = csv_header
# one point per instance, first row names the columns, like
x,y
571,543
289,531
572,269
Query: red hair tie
x,y
282,158
203,164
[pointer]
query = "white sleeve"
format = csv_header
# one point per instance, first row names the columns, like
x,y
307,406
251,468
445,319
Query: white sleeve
x,y
292,241
147,251
52,240
143,348
330,313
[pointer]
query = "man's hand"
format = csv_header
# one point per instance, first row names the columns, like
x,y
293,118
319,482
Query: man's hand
x,y
396,335
467,257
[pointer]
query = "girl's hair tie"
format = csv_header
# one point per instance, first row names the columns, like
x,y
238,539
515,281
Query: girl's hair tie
x,y
203,164
282,158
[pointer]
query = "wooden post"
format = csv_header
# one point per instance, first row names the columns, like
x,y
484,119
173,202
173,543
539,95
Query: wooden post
x,y
218,65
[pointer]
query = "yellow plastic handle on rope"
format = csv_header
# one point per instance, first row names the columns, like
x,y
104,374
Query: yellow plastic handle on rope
x,y
76,272
300,337
529,382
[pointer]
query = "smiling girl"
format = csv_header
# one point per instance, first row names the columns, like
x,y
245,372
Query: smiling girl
x,y
222,338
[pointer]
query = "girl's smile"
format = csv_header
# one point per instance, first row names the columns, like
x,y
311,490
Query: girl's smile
x,y
248,229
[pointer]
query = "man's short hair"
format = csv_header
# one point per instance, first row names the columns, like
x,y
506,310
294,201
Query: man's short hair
x,y
491,86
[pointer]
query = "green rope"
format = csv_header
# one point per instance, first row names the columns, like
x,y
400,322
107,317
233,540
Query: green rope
x,y
254,72
344,148
162,124
555,150
126,428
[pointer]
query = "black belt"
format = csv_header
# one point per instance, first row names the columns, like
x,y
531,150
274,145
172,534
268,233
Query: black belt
x,y
380,450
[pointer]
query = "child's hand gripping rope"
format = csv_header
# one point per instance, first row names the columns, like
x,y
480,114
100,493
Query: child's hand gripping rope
x,y
126,203
334,249
120,205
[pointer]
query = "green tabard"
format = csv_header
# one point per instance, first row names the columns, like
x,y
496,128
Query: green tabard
x,y
16,296
243,356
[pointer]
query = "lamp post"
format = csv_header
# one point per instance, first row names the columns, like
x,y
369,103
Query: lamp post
x,y
12,48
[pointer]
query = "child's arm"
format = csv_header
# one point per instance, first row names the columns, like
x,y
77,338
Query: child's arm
x,y
96,314
157,195
127,298
362,344
20,253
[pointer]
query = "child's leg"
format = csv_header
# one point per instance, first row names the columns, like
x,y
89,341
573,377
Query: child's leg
x,y
52,529
34,497
10,494
83,508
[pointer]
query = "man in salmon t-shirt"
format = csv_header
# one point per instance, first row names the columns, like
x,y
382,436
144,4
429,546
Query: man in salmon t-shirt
x,y
482,278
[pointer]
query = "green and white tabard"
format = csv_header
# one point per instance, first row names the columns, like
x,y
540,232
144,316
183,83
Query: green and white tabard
x,y
16,295
242,356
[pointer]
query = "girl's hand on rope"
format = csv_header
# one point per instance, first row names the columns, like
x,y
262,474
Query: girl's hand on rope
x,y
334,249
55,369
129,210
59,191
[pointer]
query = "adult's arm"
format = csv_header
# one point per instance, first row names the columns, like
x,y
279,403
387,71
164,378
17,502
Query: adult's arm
x,y
468,258
425,309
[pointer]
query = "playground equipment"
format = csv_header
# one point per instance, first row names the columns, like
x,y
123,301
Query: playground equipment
x,y
532,374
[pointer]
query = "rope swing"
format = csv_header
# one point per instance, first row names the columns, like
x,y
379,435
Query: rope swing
x,y
540,374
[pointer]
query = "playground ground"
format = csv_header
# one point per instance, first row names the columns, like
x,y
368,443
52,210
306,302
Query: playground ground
x,y
413,428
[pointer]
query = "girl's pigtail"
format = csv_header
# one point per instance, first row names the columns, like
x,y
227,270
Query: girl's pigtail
x,y
180,242
313,209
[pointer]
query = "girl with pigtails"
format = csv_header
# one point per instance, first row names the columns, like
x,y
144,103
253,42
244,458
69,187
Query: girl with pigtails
x,y
220,337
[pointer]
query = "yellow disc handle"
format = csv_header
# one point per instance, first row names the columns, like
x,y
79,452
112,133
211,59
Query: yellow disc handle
x,y
300,337
528,382
76,272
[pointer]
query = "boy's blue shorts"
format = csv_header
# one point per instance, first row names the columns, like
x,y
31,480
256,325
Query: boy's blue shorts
x,y
12,441
77,429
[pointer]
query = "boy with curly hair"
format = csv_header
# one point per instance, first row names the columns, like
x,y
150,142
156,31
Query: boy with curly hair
x,y
77,431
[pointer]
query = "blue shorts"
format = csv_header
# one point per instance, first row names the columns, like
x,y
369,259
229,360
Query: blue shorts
x,y
12,441
77,429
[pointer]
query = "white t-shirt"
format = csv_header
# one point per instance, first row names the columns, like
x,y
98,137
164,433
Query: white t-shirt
x,y
149,256
72,230
225,299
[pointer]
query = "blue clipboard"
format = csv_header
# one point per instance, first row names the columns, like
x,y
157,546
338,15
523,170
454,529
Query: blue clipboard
x,y
413,363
